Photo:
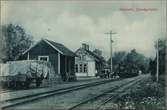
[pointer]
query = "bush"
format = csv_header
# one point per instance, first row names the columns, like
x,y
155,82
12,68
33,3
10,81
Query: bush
x,y
147,94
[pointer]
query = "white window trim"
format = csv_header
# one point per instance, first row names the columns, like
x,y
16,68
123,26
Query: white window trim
x,y
43,57
85,68
76,68
80,68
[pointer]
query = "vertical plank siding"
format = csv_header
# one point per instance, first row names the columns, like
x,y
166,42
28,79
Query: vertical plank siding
x,y
43,49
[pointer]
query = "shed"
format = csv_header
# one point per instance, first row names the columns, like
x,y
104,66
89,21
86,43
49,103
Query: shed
x,y
61,58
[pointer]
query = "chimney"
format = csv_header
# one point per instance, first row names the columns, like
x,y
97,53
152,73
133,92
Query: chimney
x,y
85,46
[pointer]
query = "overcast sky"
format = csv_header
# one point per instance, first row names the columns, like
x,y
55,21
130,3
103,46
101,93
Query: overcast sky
x,y
72,23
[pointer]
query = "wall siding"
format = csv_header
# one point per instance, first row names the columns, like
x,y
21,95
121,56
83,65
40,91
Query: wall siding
x,y
43,49
89,60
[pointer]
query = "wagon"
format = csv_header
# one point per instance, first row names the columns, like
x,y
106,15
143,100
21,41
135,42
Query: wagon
x,y
24,73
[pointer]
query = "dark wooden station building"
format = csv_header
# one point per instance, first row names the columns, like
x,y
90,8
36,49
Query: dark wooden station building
x,y
61,58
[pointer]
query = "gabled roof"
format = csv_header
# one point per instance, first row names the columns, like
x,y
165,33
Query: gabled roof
x,y
92,54
57,46
97,58
62,48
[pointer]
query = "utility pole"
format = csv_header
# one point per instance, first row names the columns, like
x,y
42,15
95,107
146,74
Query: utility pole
x,y
111,41
157,73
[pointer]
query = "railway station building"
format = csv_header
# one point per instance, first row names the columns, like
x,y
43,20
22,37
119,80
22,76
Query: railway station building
x,y
88,63
61,58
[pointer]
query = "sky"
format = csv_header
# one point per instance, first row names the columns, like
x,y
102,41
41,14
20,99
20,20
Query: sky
x,y
138,24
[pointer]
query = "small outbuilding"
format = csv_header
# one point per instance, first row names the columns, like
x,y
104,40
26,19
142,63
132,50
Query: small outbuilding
x,y
61,58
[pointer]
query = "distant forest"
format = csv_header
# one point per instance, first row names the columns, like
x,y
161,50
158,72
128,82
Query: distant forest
x,y
146,65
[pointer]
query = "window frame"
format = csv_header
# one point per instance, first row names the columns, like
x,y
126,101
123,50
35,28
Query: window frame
x,y
85,68
80,68
76,68
39,57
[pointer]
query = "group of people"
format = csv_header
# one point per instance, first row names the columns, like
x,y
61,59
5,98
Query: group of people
x,y
105,74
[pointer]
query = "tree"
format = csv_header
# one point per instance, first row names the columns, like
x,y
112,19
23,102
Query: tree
x,y
2,45
119,57
138,59
16,41
153,63
152,66
161,56
130,58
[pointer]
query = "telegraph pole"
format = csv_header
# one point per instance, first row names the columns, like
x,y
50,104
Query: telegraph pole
x,y
111,41
157,73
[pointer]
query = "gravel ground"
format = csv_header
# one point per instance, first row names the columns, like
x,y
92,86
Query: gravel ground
x,y
65,101
20,93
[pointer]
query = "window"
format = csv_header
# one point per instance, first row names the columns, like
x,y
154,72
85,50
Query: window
x,y
76,67
83,57
43,58
80,67
85,68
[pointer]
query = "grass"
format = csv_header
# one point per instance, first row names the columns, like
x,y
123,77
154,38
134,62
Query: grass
x,y
148,94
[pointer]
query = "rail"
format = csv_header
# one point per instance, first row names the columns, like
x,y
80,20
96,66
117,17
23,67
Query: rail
x,y
76,106
21,100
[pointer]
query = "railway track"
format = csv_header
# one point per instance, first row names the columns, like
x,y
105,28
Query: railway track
x,y
25,99
104,97
14,90
5,91
31,88
116,95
